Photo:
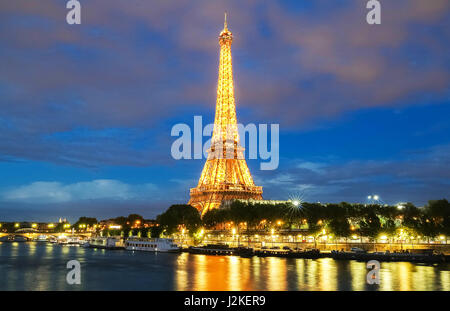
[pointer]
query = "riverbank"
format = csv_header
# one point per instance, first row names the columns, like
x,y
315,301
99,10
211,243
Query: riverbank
x,y
325,247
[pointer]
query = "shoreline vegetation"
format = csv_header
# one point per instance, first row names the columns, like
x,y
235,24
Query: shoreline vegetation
x,y
253,222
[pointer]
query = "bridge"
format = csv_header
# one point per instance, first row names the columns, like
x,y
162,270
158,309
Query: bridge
x,y
33,235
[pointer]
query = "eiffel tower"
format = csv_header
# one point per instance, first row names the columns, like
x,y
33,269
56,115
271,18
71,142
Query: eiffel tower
x,y
225,175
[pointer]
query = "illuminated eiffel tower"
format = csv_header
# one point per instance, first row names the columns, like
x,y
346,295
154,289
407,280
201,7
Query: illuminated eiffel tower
x,y
225,175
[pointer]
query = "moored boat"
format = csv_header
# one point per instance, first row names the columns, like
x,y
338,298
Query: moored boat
x,y
151,245
41,238
212,249
13,238
419,256
105,243
289,253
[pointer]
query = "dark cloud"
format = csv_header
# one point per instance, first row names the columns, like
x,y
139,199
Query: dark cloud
x,y
417,177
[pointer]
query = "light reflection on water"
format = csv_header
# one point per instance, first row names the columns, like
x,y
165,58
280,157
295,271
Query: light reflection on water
x,y
40,266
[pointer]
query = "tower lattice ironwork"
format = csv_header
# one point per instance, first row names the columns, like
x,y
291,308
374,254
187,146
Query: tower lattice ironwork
x,y
225,175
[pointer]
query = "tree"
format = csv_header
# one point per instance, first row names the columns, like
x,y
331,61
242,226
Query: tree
x,y
439,212
90,221
339,227
313,214
370,225
121,220
155,231
134,219
389,227
180,215
214,217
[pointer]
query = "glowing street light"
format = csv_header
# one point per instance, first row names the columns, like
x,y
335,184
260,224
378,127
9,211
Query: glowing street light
x,y
376,197
296,203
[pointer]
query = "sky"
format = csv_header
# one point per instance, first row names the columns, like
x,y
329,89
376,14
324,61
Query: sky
x,y
86,110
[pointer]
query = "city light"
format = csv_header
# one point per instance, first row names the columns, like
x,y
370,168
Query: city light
x,y
34,226
115,227
400,207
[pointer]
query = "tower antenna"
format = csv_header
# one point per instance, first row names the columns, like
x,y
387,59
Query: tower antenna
x,y
225,22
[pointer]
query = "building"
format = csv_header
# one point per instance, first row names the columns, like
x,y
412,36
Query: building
x,y
225,175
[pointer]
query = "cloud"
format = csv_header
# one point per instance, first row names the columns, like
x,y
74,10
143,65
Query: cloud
x,y
416,177
138,64
41,192
312,166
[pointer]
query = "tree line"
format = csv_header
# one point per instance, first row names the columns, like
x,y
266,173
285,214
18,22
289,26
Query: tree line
x,y
339,219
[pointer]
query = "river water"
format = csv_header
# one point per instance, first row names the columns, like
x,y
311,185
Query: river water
x,y
42,266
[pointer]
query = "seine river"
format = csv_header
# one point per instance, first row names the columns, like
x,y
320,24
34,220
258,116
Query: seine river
x,y
42,266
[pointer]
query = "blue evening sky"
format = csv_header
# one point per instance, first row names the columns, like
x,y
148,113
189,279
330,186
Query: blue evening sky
x,y
86,110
